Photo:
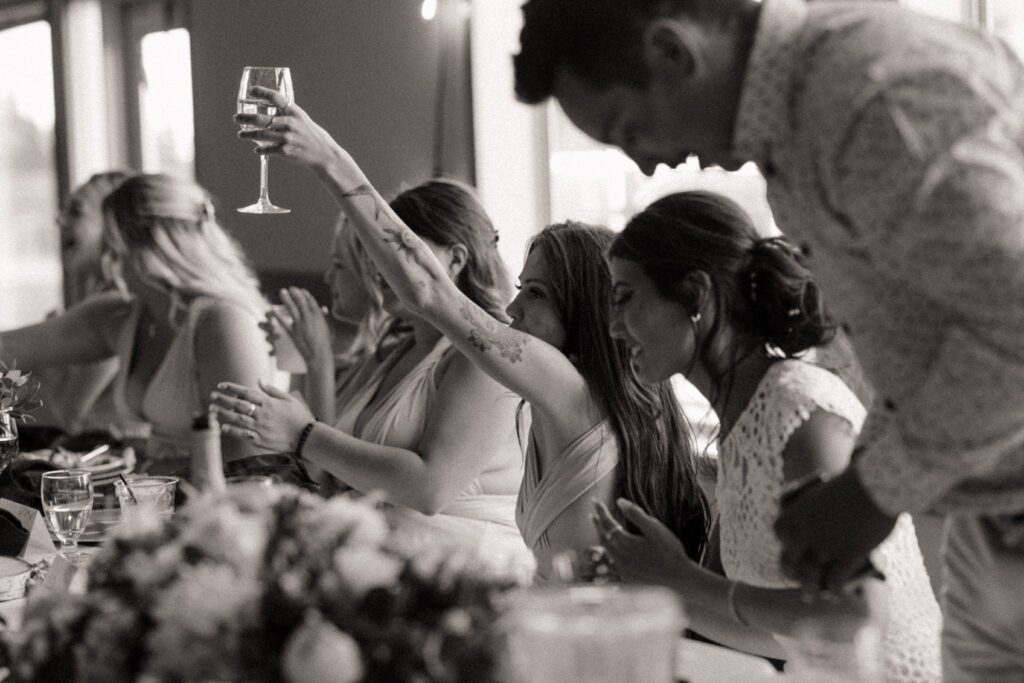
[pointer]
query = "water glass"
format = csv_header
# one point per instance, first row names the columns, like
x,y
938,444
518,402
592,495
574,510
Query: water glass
x,y
147,495
600,634
67,502
834,648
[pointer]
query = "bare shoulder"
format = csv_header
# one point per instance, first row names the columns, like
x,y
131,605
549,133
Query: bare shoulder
x,y
223,323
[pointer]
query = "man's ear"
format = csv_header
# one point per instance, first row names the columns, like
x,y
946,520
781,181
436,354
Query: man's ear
x,y
459,255
673,47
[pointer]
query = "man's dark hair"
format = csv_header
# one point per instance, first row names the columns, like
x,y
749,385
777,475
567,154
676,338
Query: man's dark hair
x,y
600,41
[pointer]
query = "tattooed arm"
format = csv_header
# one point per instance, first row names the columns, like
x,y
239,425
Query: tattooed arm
x,y
526,365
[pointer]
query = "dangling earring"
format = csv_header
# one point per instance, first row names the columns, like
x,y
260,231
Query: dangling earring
x,y
694,321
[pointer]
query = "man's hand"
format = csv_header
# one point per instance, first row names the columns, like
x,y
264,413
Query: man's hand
x,y
827,531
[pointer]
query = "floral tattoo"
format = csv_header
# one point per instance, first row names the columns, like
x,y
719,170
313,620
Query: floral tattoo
x,y
487,334
404,241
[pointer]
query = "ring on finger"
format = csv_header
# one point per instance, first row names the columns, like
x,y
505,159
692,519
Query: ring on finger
x,y
251,410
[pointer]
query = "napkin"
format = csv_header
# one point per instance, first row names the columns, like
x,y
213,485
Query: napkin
x,y
20,481
13,535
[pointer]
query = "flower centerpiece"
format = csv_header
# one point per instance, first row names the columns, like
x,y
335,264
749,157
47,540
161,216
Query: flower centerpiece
x,y
17,400
18,392
264,585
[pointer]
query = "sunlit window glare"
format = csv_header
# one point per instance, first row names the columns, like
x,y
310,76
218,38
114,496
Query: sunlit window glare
x,y
31,282
165,102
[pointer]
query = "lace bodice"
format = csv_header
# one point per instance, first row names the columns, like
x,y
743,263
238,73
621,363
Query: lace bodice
x,y
749,488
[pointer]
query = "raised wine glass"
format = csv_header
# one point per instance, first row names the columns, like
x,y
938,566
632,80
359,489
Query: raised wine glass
x,y
67,502
277,78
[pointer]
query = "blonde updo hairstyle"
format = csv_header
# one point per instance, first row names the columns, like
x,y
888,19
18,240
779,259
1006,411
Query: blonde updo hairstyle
x,y
166,229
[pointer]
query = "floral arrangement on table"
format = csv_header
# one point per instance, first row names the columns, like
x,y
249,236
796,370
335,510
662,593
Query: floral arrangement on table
x,y
18,392
265,585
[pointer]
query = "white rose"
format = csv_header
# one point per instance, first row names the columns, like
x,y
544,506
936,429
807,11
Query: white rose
x,y
363,568
317,652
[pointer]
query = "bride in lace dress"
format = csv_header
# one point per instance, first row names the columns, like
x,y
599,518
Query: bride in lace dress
x,y
697,291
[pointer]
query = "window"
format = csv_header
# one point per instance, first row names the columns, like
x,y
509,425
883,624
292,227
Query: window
x,y
167,137
946,9
599,184
31,284
159,94
1005,18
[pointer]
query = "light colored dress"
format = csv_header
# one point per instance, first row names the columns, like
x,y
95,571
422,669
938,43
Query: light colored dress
x,y
478,521
543,496
173,397
749,488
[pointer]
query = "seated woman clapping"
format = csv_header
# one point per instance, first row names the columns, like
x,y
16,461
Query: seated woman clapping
x,y
355,328
596,431
184,315
698,292
421,424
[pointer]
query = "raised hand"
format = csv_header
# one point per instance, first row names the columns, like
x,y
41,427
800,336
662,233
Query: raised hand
x,y
291,133
267,416
307,325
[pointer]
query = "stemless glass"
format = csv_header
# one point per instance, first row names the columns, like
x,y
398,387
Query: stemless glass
x,y
600,634
277,78
67,501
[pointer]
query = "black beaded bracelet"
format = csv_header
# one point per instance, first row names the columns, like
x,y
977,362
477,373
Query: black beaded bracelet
x,y
303,435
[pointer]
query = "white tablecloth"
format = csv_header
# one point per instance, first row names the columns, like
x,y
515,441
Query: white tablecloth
x,y
698,662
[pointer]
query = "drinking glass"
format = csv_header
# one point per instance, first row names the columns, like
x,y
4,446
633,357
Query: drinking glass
x,y
149,494
277,78
8,439
600,634
67,501
834,648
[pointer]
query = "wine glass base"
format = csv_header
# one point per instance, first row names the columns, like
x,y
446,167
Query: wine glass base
x,y
76,559
263,206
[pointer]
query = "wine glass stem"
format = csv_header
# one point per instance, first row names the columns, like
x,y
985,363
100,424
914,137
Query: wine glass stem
x,y
264,175
69,548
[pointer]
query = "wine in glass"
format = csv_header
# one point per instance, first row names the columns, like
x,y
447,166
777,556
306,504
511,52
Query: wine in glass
x,y
277,78
67,502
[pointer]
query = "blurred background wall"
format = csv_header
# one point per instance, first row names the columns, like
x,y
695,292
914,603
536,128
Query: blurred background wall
x,y
366,70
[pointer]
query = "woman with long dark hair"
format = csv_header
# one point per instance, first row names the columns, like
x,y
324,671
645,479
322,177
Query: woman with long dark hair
x,y
697,291
595,430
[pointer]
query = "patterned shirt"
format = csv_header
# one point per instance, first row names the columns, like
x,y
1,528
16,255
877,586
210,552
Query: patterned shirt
x,y
893,147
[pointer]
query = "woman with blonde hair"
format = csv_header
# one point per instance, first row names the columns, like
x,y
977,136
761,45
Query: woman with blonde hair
x,y
334,341
77,396
183,315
